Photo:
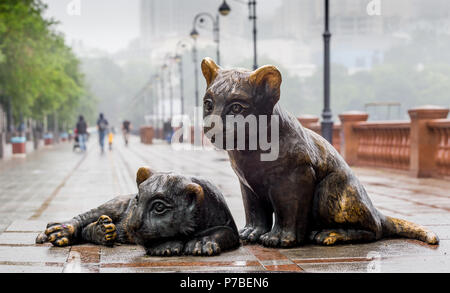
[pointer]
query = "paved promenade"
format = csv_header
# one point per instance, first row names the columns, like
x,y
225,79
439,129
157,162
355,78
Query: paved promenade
x,y
56,184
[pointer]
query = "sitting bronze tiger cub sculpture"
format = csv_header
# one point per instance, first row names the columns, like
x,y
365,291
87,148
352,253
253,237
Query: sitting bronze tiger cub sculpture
x,y
171,215
310,189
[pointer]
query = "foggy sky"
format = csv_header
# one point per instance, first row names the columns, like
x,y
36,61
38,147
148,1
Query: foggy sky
x,y
104,24
110,25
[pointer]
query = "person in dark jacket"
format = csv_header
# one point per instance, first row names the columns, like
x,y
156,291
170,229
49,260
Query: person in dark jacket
x,y
102,126
82,132
126,128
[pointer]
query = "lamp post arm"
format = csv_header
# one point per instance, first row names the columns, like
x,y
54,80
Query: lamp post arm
x,y
205,14
179,45
215,22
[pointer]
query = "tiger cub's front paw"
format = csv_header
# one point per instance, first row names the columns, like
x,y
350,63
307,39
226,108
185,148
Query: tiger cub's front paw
x,y
103,231
59,234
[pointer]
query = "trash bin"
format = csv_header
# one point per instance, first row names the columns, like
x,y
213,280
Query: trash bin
x,y
48,139
18,145
147,134
64,136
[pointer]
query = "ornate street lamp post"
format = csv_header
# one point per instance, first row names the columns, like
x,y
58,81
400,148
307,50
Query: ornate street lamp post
x,y
179,59
200,18
197,139
159,100
150,104
223,10
169,81
251,17
327,121
166,66
162,100
194,36
155,107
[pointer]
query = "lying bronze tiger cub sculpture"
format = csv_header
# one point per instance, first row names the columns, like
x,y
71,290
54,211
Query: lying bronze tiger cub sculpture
x,y
309,188
171,215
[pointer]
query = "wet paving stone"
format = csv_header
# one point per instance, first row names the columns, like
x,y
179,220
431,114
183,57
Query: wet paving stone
x,y
187,269
284,268
132,254
264,254
343,267
430,219
384,248
14,268
18,238
177,262
122,254
391,265
443,231
415,264
86,253
83,259
33,254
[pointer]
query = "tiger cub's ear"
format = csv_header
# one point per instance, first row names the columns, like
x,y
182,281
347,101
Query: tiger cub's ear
x,y
267,79
196,190
143,174
210,70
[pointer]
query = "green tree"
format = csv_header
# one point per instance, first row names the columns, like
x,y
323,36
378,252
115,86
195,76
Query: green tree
x,y
39,74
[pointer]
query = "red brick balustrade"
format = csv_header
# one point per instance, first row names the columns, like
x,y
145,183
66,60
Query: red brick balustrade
x,y
420,146
383,144
312,122
337,128
441,128
350,141
424,143
309,121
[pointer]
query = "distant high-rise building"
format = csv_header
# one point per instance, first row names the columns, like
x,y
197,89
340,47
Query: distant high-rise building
x,y
164,19
300,18
358,37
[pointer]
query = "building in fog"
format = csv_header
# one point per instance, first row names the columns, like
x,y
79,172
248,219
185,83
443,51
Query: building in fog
x,y
358,39
163,19
301,18
165,22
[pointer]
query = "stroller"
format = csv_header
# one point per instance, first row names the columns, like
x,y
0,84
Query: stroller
x,y
76,141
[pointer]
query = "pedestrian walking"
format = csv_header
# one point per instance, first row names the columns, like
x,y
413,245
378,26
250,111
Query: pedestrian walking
x,y
168,131
111,137
126,128
81,130
102,127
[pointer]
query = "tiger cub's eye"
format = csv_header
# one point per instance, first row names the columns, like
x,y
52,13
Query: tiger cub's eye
x,y
159,207
208,105
236,108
